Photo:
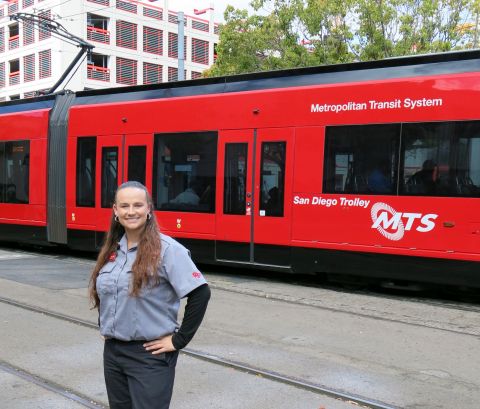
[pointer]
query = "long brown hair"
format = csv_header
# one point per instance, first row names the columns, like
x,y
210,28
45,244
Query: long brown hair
x,y
148,250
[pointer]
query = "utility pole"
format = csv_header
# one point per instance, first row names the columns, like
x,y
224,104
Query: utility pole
x,y
181,47
475,37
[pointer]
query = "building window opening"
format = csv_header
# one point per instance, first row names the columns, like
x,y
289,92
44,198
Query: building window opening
x,y
126,34
97,28
13,36
14,75
96,21
126,71
97,67
14,66
98,60
45,63
13,30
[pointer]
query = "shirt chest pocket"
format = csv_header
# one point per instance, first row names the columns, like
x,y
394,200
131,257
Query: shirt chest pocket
x,y
125,280
105,280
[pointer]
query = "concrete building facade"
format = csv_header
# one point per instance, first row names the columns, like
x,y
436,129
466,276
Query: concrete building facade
x,y
136,42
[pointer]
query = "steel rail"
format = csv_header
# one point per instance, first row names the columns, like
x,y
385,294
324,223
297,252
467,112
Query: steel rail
x,y
452,305
270,375
303,280
50,386
304,302
254,293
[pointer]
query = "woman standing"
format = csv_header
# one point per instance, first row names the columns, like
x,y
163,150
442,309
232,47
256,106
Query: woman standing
x,y
137,283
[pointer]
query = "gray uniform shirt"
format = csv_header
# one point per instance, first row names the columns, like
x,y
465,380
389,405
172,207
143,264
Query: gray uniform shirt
x,y
153,313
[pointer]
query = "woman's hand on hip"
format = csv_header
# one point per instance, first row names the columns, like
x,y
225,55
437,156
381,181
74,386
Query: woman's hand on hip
x,y
161,345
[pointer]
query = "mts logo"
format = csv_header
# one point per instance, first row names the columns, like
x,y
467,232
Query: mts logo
x,y
393,225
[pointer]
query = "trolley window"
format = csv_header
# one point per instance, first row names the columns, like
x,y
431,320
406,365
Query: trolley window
x,y
433,159
235,179
14,171
109,175
137,159
184,170
361,159
441,159
272,179
86,156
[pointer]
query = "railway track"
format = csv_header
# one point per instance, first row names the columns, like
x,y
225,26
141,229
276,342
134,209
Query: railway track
x,y
314,303
50,386
308,281
470,332
216,360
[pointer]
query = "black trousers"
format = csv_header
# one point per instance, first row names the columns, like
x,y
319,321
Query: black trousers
x,y
135,378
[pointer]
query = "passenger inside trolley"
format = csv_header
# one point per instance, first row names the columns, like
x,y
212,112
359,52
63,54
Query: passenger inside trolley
x,y
188,196
378,180
425,180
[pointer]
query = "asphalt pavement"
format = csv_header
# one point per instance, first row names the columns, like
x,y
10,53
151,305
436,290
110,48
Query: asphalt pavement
x,y
404,353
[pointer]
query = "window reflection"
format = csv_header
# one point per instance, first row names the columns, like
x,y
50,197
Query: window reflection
x,y
184,172
235,179
441,159
86,156
272,179
361,159
14,171
137,163
434,159
109,175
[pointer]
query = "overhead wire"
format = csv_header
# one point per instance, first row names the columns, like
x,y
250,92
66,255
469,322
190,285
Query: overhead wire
x,y
86,12
60,4
152,57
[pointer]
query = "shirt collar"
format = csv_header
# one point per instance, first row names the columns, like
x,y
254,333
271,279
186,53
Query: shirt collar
x,y
123,245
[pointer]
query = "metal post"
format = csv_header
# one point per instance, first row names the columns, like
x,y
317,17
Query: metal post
x,y
181,51
475,36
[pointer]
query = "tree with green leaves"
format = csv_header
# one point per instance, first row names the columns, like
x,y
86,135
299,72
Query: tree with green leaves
x,y
299,33
256,43
388,28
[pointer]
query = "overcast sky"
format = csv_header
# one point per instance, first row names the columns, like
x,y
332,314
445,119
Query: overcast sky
x,y
219,6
